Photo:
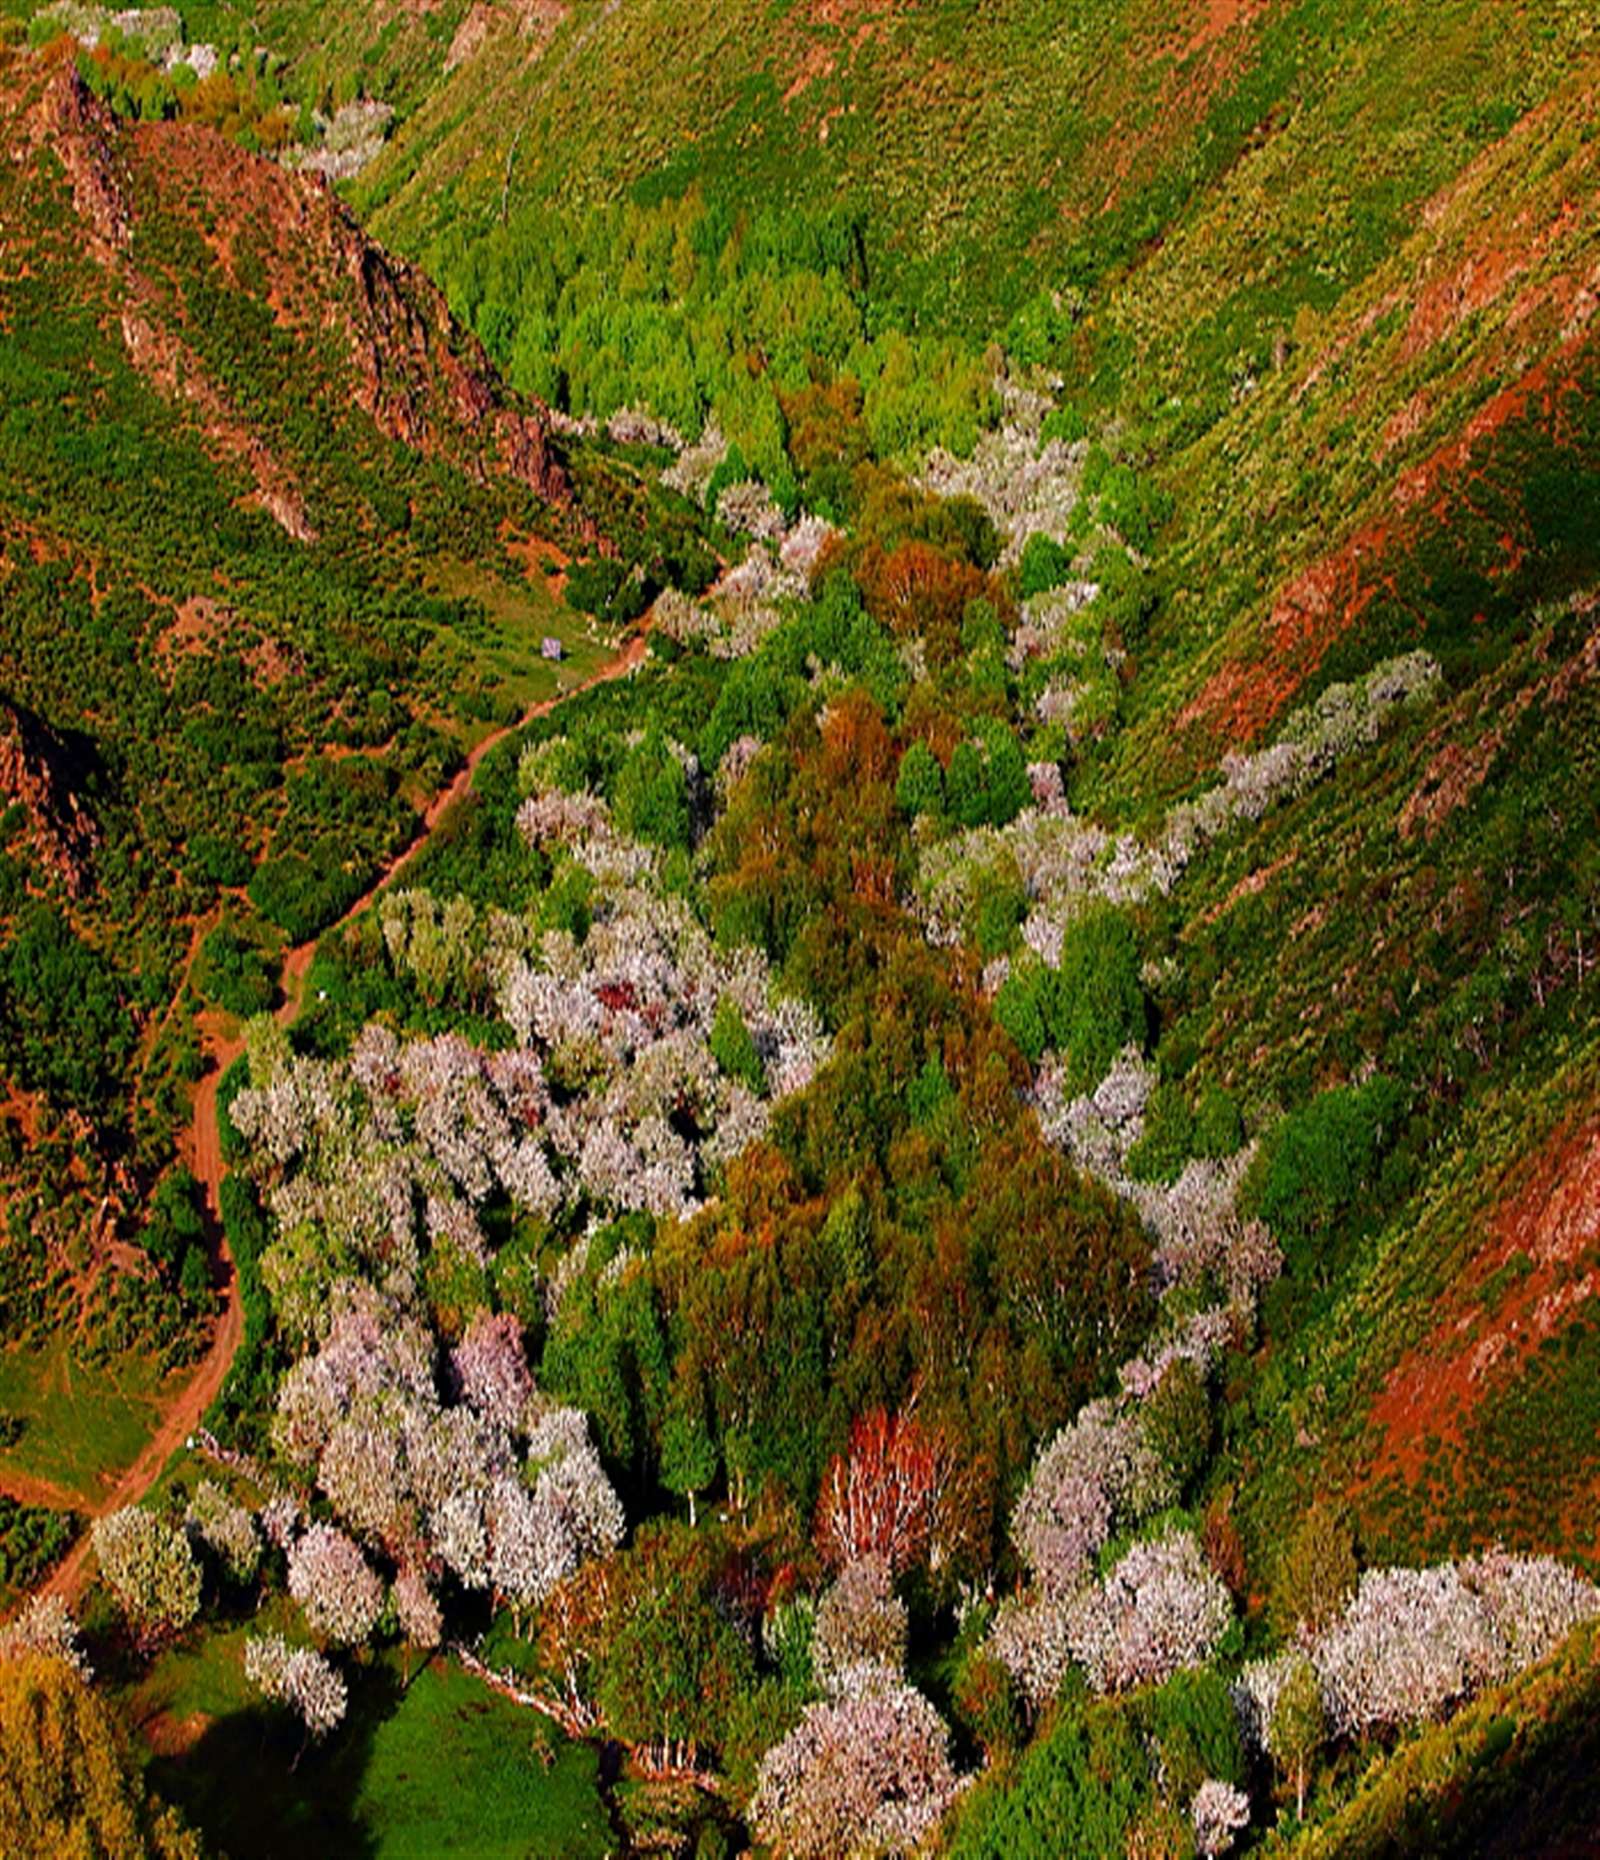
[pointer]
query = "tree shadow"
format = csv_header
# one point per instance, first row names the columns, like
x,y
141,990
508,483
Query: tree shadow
x,y
242,1788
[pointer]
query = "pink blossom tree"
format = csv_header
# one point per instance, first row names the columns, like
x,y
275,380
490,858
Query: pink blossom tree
x,y
491,1369
336,1587
300,1678
866,1772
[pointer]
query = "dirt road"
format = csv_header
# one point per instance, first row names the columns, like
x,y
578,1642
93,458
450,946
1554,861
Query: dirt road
x,y
204,1145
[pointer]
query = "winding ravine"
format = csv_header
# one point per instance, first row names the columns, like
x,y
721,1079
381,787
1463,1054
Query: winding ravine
x,y
204,1144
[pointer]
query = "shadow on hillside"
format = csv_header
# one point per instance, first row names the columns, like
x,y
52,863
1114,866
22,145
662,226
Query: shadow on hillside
x,y
240,1787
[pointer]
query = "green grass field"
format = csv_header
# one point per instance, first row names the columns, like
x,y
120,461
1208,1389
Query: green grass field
x,y
83,1426
442,1766
515,619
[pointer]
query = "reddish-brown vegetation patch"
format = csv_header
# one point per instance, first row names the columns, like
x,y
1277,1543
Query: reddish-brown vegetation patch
x,y
1248,887
198,623
535,20
816,62
538,556
172,367
1538,1266
1219,17
1246,694
1459,769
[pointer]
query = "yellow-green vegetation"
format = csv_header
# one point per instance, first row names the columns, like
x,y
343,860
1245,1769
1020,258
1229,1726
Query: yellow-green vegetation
x,y
68,1783
82,1423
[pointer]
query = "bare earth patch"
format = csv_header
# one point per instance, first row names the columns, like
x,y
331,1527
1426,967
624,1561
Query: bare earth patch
x,y
171,1736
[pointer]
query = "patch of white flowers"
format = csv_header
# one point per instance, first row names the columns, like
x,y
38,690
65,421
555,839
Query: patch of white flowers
x,y
1413,1644
1067,863
298,1677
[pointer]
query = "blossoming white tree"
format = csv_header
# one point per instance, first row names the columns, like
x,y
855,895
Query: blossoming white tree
x,y
865,1773
338,1590
300,1678
1160,1609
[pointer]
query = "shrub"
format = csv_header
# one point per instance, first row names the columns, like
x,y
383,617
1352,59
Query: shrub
x,y
608,589
234,973
1176,1420
63,1025
651,796
1065,423
1097,1003
1168,1137
1321,1162
150,1569
866,1773
213,860
1045,564
1316,1574
733,1048
1218,1127
919,788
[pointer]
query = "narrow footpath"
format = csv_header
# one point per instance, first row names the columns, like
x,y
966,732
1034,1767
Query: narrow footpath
x,y
203,1145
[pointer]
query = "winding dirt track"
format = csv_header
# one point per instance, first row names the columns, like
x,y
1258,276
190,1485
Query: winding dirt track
x,y
204,1144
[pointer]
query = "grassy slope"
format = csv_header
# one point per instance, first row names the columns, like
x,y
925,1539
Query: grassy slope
x,y
439,1766
1254,199
83,1425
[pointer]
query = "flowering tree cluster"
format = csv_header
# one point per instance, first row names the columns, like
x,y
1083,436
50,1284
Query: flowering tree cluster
x,y
150,1569
1198,1234
1413,1644
865,1773
1065,862
1097,1473
387,1156
691,471
417,1610
1029,485
299,1677
859,1620
1160,1609
490,1369
502,1490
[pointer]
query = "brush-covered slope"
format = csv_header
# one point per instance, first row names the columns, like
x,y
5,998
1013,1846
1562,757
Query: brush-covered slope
x,y
1330,268
271,533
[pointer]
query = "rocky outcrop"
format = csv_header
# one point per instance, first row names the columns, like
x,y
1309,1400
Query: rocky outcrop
x,y
79,130
379,336
33,765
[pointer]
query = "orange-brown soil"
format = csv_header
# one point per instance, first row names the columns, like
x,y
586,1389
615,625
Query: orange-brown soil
x,y
1547,1230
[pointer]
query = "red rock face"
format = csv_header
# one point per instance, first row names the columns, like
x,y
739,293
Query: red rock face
x,y
65,833
380,336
